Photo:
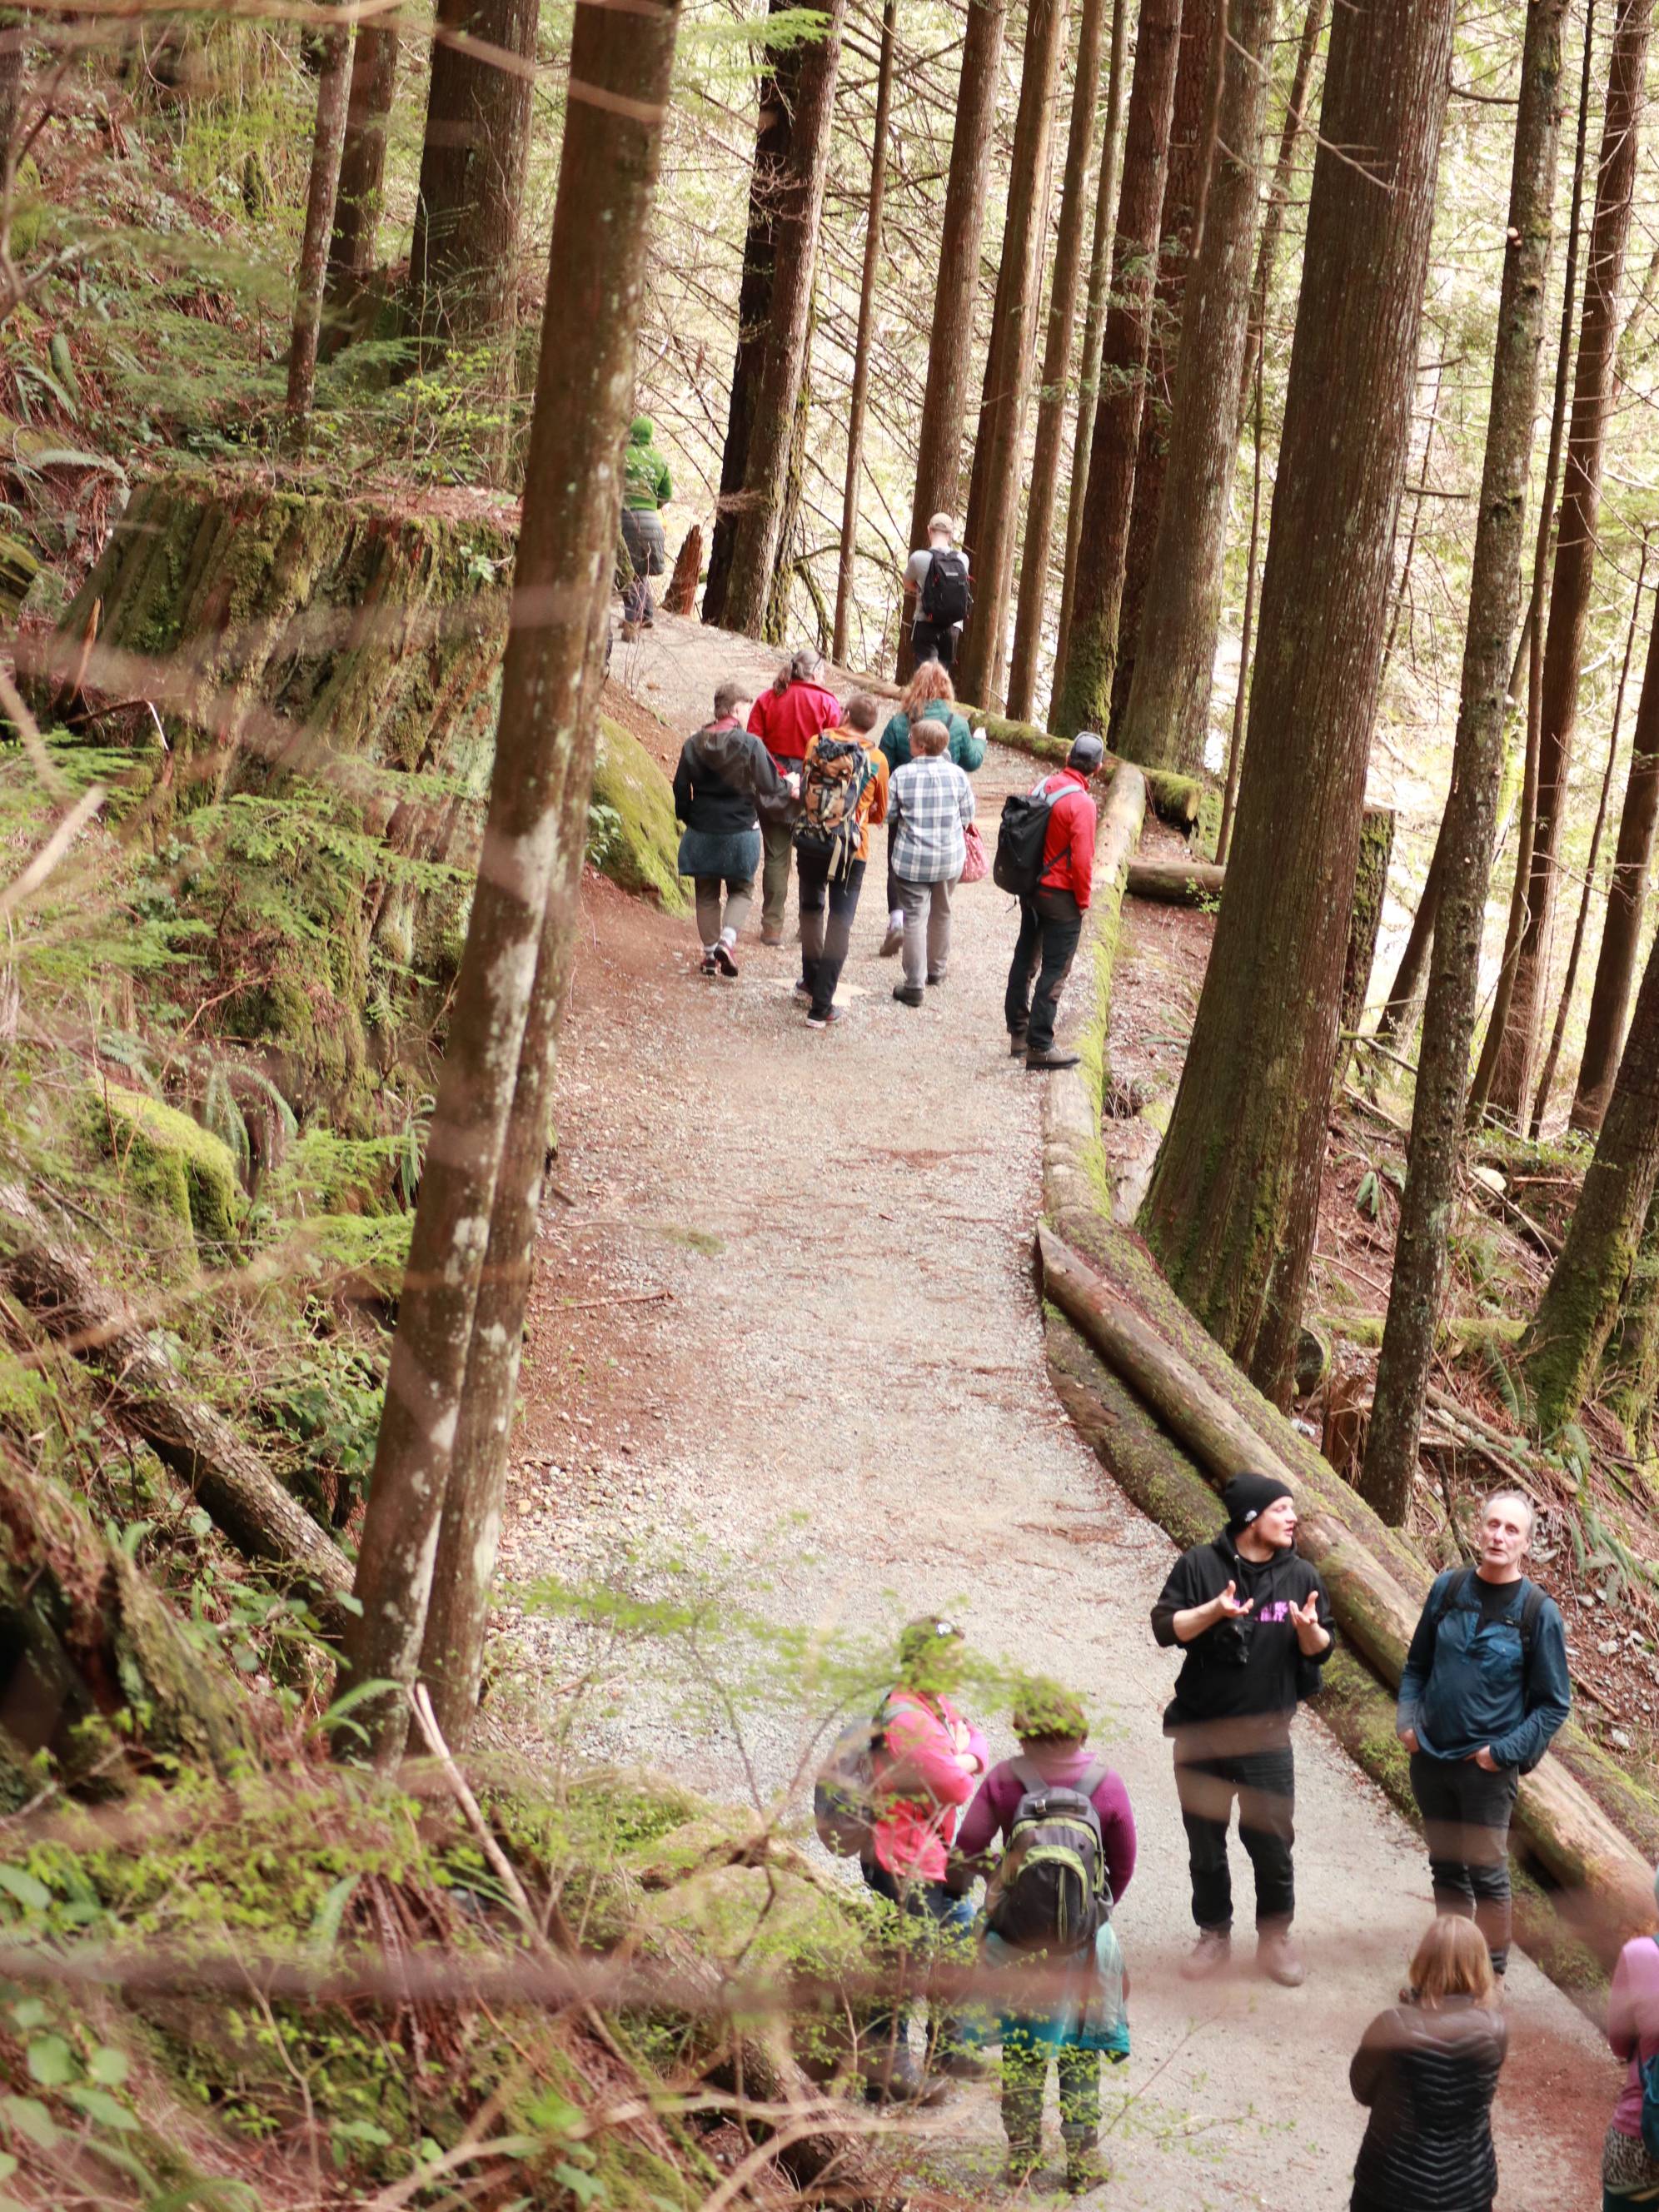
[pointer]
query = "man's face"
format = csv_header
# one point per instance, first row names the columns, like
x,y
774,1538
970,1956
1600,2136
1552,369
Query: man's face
x,y
1276,1525
1506,1527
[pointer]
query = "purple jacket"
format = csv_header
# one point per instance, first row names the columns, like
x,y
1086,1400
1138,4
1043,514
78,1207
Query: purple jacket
x,y
992,1812
1633,2017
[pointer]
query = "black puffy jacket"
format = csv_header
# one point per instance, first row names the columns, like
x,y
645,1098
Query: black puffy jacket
x,y
1429,2074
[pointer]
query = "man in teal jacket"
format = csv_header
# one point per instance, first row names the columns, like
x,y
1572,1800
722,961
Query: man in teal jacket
x,y
646,487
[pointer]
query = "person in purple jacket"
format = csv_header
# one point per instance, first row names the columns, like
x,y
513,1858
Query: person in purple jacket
x,y
1054,1739
1629,2176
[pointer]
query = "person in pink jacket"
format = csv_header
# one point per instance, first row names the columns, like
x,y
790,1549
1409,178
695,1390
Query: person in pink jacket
x,y
928,1766
1629,2175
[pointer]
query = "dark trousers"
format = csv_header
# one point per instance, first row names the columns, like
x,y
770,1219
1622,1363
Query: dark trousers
x,y
1264,1782
933,1920
1049,926
824,942
931,641
1465,1818
647,548
1024,2077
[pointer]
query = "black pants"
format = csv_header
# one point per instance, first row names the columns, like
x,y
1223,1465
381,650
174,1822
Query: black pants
x,y
935,1924
823,943
931,641
1049,925
1465,1818
1264,1782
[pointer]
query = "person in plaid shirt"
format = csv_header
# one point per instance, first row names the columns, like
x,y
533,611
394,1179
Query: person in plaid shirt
x,y
930,804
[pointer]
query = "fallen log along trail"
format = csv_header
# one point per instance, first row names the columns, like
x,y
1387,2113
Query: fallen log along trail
x,y
787,1312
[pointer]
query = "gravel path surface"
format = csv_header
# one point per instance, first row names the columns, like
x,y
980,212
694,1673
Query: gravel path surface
x,y
807,1359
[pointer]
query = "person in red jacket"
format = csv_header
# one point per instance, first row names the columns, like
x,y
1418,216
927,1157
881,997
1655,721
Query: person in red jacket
x,y
786,719
1051,918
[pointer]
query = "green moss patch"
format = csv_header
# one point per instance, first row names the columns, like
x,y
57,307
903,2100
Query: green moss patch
x,y
632,835
176,1168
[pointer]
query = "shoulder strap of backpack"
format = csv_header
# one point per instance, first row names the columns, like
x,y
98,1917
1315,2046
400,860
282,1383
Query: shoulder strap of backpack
x,y
1092,1778
1532,1608
1456,1591
1026,1774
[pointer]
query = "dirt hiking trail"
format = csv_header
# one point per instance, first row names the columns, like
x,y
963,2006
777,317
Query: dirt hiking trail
x,y
785,1313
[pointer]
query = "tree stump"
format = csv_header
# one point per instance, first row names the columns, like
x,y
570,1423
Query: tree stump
x,y
681,597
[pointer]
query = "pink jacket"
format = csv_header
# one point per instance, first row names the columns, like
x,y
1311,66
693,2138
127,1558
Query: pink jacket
x,y
1633,2023
924,1782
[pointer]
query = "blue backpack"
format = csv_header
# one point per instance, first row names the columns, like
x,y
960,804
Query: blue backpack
x,y
1650,2073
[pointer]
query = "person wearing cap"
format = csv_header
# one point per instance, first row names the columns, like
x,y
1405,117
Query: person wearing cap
x,y
1253,1625
1051,917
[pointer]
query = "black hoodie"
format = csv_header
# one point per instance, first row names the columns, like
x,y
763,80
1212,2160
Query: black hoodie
x,y
1247,1667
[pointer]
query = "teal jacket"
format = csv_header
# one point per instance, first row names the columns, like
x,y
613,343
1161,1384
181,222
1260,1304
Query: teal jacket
x,y
1093,2018
967,747
645,482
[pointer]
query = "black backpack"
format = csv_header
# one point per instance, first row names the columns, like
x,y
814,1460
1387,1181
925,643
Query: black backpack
x,y
1021,835
1050,1892
946,592
1532,1604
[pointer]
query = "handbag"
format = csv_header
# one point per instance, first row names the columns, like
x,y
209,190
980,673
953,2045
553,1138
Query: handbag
x,y
975,861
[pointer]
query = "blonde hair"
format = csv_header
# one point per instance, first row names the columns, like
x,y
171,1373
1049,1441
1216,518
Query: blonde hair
x,y
930,683
1452,1960
929,737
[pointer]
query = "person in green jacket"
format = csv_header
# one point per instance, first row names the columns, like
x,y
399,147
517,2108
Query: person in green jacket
x,y
931,697
647,486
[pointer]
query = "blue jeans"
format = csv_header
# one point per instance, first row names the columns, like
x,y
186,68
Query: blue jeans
x,y
947,1932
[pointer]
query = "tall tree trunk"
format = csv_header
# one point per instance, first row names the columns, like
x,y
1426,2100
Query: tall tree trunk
x,y
1564,1343
849,507
1056,366
1192,139
1629,1365
1013,327
783,360
1402,589
1563,1005
1082,699
1427,1202
1246,631
329,135
14,75
352,249
1167,719
1234,1199
1627,896
621,63
1574,546
1100,270
1279,196
945,402
464,264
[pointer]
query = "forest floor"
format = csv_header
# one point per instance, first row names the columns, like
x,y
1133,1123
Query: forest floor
x,y
786,1345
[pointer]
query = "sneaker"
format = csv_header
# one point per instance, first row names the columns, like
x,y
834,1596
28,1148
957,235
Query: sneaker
x,y
803,988
1212,1955
894,2078
1053,1058
771,936
723,959
894,939
711,965
1085,2166
1016,1044
907,994
1278,1958
824,1021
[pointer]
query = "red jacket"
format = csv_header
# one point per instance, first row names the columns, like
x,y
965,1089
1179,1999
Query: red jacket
x,y
1068,849
930,1764
785,721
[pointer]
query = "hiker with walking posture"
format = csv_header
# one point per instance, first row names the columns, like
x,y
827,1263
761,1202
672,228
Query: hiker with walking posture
x,y
1630,2156
1428,2069
723,777
936,582
843,789
930,694
1485,1687
1255,1625
786,717
1052,881
647,486
1069,1853
930,804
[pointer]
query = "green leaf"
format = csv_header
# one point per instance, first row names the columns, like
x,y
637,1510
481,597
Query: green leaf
x,y
582,2186
31,2119
29,2012
326,1922
98,2105
1368,1199
108,2065
51,2062
22,1885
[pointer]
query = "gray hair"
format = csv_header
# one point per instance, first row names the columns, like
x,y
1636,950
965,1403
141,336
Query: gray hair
x,y
1511,1497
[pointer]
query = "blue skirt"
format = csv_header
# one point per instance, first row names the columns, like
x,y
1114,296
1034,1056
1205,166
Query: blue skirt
x,y
735,855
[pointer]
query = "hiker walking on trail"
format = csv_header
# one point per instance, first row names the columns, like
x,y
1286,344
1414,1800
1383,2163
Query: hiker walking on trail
x,y
647,486
1428,2070
1484,1688
1630,2156
1069,1837
843,789
723,777
930,804
786,719
1053,879
930,694
1255,1625
937,582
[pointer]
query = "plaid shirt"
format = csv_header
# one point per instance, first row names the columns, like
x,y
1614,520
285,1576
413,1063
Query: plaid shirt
x,y
932,800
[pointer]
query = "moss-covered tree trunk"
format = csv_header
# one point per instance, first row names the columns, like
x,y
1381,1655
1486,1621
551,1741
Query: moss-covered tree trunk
x,y
463,261
1370,888
1471,819
328,137
1630,1363
354,244
1234,1201
858,398
621,65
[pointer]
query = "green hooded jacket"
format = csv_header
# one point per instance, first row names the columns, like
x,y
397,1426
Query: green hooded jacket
x,y
646,483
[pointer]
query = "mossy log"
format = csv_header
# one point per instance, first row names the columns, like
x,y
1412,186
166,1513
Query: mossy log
x,y
1174,798
1176,882
1371,886
1457,1333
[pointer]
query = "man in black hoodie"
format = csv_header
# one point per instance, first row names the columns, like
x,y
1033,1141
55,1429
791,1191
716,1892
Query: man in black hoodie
x,y
1254,1623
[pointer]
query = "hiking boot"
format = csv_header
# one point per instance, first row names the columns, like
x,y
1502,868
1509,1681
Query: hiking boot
x,y
1085,2166
939,978
1211,1955
771,936
907,994
1016,1044
1053,1058
726,964
1023,2160
824,1021
894,939
1278,1958
964,2065
894,2078
630,630
711,965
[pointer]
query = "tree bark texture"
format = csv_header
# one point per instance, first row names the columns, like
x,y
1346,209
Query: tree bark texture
x,y
1193,141
353,248
1574,546
755,537
1045,474
1013,329
1630,1368
464,262
1246,629
536,828
1100,270
849,508
1428,1204
1627,896
1082,699
945,401
1234,1199
1278,195
1166,720
328,137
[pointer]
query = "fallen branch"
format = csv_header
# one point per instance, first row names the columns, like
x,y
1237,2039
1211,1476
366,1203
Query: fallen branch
x,y
1176,882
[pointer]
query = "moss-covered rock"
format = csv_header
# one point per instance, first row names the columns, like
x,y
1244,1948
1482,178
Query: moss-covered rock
x,y
632,836
175,1167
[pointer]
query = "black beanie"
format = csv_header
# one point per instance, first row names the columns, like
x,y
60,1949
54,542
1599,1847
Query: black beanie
x,y
1248,1495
